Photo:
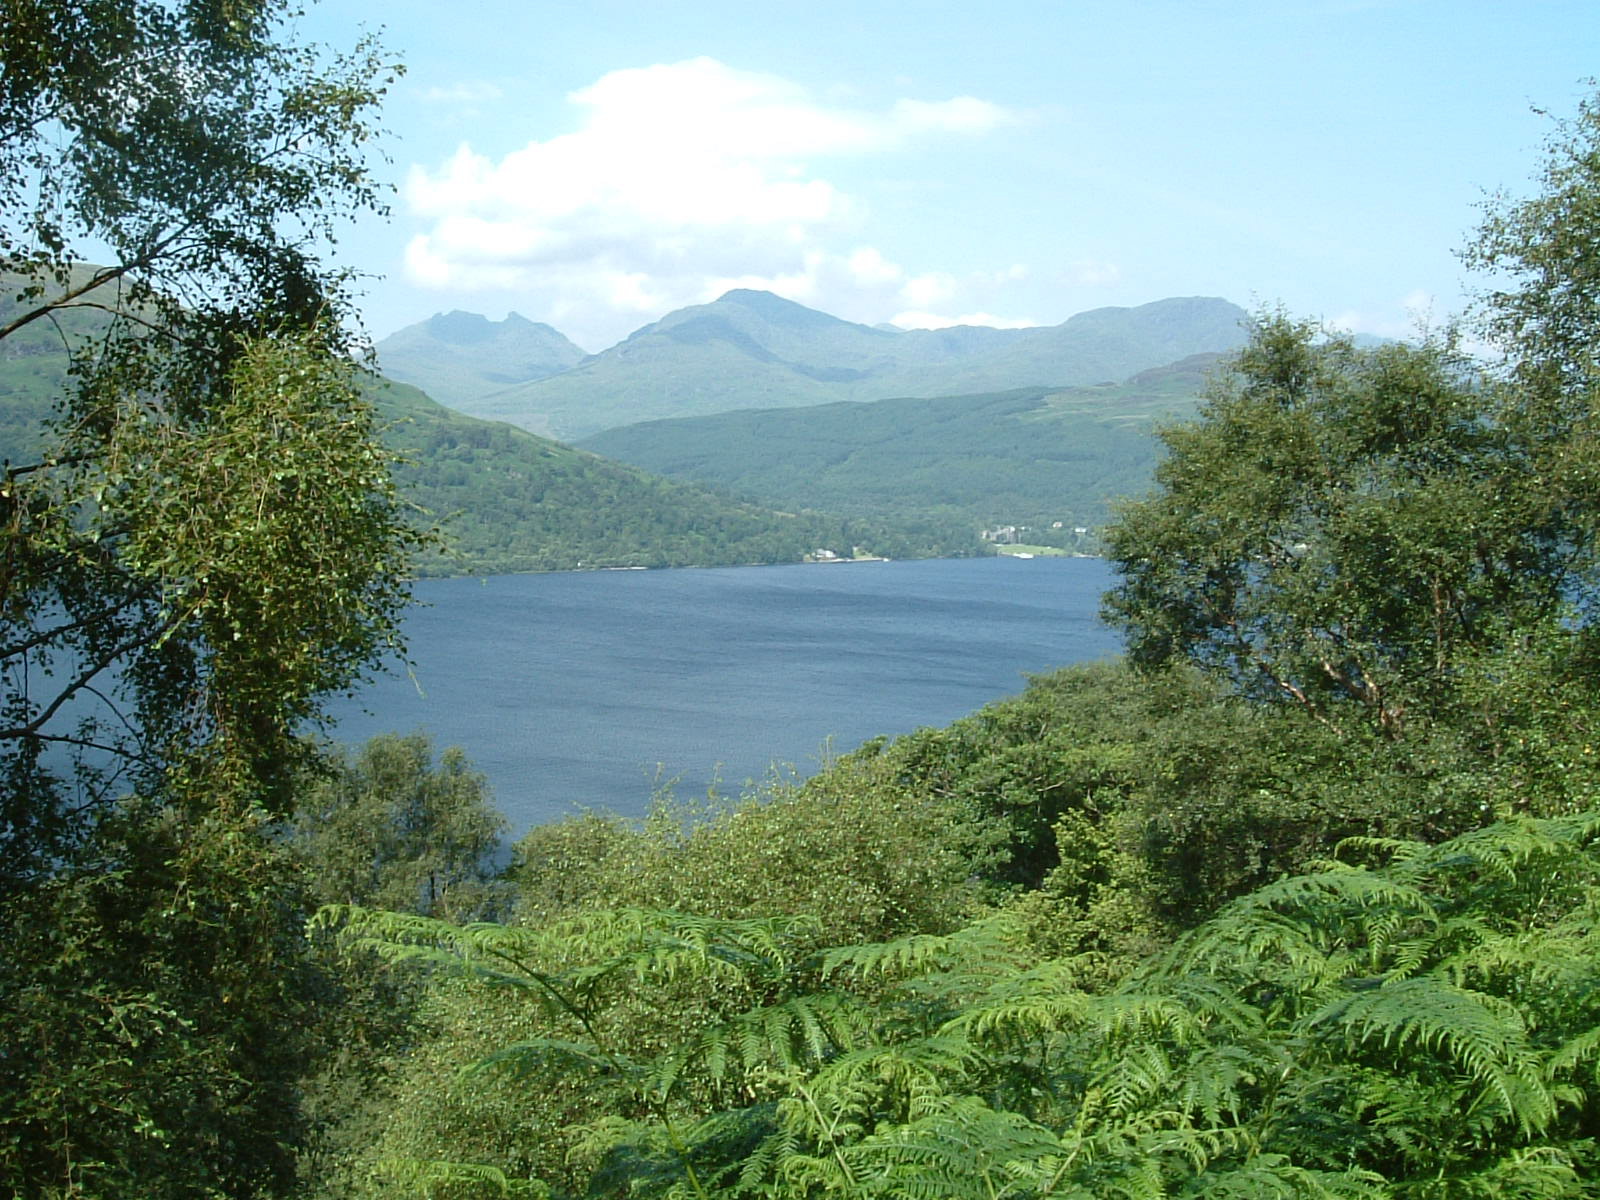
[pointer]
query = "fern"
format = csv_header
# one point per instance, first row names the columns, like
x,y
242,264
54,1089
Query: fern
x,y
1477,1033
962,1150
987,943
1427,1025
1274,1177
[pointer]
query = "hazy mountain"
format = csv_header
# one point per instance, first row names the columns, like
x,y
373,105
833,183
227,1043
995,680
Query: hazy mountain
x,y
457,357
509,500
1028,456
752,349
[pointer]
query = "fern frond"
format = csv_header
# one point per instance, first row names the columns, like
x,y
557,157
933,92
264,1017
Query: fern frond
x,y
1275,1177
793,1035
1134,1078
1527,1172
1183,1012
908,1079
988,941
1301,919
1480,1034
964,1150
662,946
525,1058
1573,1052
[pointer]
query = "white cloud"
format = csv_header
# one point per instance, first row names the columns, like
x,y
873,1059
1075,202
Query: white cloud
x,y
927,320
676,178
964,114
927,290
870,267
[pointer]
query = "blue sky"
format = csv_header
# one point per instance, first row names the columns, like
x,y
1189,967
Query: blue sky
x,y
595,165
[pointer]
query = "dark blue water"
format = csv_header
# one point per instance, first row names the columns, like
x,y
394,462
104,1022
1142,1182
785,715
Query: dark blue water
x,y
583,690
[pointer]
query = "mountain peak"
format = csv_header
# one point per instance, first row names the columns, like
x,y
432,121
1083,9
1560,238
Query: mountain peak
x,y
461,328
755,298
458,356
774,308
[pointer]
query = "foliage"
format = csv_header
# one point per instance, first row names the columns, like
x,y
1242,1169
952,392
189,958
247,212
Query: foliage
x,y
1424,1026
386,826
855,848
389,829
205,544
156,1003
1542,307
207,157
1346,530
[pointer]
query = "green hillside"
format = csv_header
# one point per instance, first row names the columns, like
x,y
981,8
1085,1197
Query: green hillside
x,y
512,501
752,350
1033,456
33,362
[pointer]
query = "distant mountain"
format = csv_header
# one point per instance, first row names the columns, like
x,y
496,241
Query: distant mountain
x,y
1032,456
752,349
458,356
509,500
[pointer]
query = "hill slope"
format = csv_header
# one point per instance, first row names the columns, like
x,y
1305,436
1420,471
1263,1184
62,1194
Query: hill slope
x,y
754,350
513,501
1029,456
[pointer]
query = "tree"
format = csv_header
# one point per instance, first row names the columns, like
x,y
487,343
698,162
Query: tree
x,y
1345,528
392,830
206,546
1400,531
1541,309
1542,306
210,436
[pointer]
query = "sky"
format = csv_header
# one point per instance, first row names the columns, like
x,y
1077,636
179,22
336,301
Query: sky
x,y
597,165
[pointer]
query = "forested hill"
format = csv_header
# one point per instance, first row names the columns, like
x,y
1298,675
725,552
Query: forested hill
x,y
513,501
1032,456
752,349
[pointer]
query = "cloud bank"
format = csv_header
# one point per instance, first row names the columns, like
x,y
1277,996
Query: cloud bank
x,y
678,182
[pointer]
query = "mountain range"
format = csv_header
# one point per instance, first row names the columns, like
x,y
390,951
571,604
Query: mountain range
x,y
755,478
753,350
508,500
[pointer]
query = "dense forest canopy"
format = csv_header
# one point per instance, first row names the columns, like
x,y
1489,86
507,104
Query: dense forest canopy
x,y
1298,900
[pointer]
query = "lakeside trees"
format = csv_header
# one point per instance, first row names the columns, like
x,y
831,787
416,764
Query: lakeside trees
x,y
1348,529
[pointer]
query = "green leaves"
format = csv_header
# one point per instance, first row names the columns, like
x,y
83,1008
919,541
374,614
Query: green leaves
x,y
1364,1031
1345,530
204,546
